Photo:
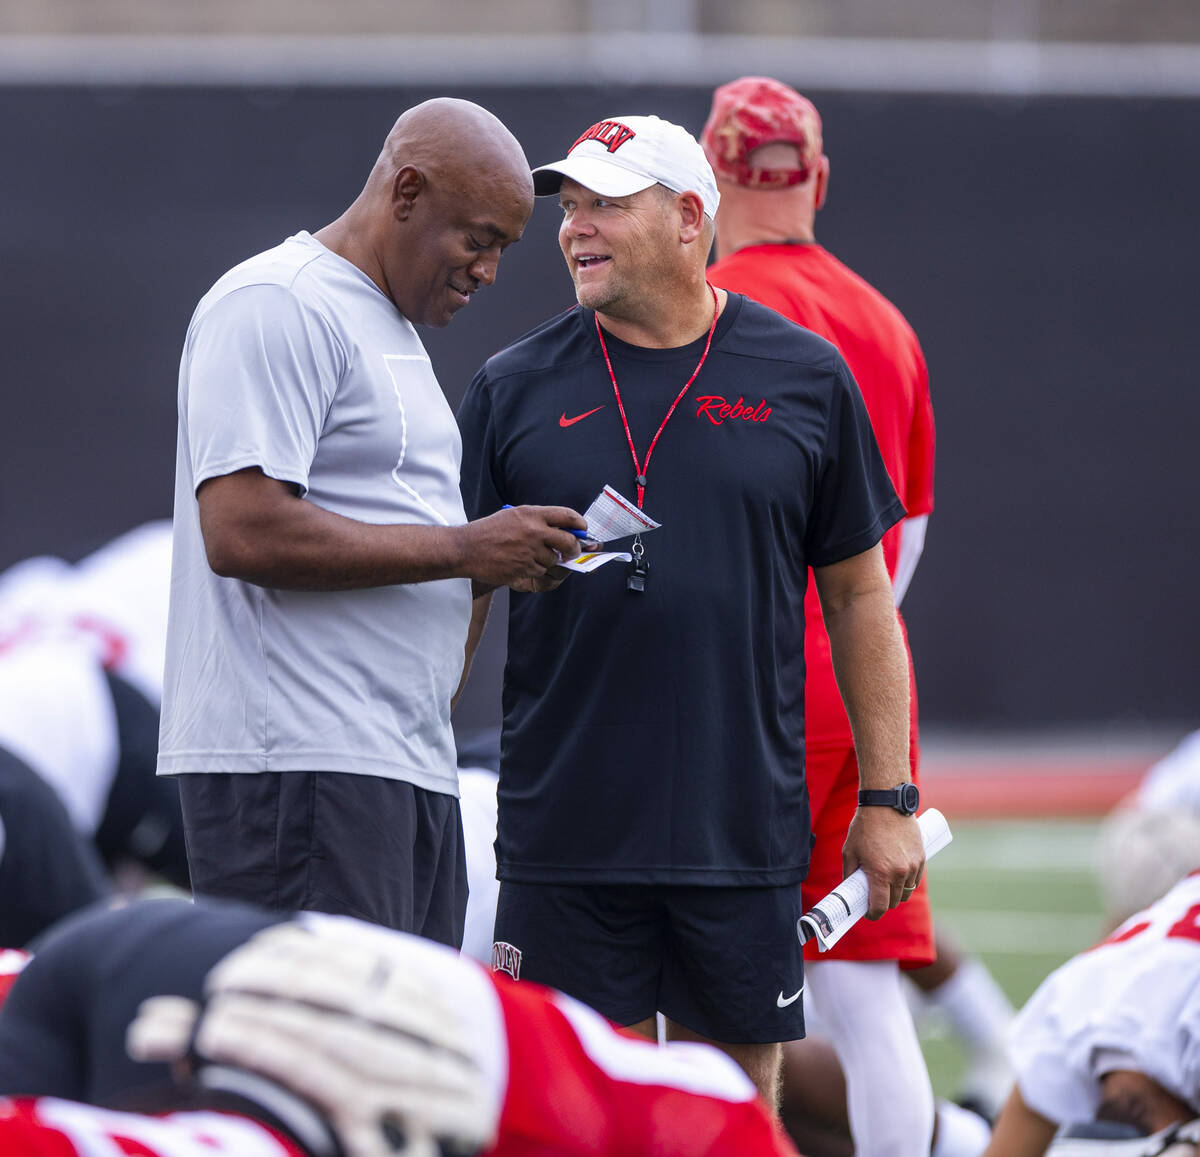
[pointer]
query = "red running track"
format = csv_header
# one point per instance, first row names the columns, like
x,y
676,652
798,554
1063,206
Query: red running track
x,y
973,782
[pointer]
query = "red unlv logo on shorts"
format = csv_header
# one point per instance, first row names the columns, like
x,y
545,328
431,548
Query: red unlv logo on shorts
x,y
506,958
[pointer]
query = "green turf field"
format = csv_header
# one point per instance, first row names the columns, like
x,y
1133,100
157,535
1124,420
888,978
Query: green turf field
x,y
1021,894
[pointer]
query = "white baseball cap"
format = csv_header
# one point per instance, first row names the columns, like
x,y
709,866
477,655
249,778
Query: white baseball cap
x,y
623,156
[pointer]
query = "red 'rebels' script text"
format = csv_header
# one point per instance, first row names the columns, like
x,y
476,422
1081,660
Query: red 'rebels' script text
x,y
716,409
610,133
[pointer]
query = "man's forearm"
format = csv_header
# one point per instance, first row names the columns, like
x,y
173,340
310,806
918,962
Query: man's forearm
x,y
480,607
1019,1131
871,666
257,529
302,546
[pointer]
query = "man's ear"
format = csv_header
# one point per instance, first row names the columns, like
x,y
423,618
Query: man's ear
x,y
822,189
407,185
691,217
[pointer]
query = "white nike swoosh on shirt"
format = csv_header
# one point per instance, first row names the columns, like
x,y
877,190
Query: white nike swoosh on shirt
x,y
783,1001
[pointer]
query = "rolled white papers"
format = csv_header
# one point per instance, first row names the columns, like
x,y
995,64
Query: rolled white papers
x,y
832,917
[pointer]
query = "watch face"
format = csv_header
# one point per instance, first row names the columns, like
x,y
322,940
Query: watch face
x,y
910,798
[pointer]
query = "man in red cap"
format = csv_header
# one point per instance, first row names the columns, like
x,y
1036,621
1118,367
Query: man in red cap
x,y
763,140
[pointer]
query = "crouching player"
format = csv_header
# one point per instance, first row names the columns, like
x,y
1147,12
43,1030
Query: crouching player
x,y
1114,1036
327,1037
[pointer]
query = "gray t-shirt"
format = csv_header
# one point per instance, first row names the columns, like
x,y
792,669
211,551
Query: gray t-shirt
x,y
296,363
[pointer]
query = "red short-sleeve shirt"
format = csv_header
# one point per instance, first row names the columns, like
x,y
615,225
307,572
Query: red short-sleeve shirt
x,y
808,285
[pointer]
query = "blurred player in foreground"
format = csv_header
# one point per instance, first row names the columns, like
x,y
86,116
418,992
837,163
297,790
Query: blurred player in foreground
x,y
80,679
764,142
1113,1035
62,1029
351,1039
653,817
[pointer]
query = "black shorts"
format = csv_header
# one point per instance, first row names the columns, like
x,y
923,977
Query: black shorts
x,y
723,962
329,841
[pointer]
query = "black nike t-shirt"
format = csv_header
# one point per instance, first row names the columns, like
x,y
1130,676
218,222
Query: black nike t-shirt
x,y
658,737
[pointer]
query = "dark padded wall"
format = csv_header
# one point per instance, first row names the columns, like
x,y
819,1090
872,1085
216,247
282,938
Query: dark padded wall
x,y
1045,251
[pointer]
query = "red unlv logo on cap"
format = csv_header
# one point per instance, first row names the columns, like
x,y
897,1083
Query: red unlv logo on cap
x,y
613,134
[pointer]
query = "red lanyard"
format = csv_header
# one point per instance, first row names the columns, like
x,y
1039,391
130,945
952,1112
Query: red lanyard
x,y
642,468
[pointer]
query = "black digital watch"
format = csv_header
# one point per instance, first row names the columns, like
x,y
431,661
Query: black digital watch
x,y
905,798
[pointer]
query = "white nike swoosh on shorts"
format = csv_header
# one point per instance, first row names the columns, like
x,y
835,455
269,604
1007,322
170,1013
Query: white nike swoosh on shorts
x,y
783,1001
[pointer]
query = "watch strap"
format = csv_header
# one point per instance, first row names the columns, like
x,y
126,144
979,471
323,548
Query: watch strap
x,y
904,798
880,797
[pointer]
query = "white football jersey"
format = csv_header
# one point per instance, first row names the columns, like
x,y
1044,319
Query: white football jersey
x,y
29,599
118,595
57,715
114,601
1174,781
1131,1002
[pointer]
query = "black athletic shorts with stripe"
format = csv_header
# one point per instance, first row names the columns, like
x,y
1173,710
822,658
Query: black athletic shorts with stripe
x,y
327,841
724,962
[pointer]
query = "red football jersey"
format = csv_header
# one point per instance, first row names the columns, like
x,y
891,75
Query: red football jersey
x,y
12,961
578,1087
808,285
48,1127
569,1084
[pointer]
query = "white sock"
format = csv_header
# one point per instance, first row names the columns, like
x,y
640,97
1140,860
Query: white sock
x,y
976,1007
862,1007
960,1133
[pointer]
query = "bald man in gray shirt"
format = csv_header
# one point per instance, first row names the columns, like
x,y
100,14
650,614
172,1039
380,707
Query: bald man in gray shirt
x,y
323,565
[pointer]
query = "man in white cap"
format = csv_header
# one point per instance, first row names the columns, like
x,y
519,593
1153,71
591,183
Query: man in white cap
x,y
653,816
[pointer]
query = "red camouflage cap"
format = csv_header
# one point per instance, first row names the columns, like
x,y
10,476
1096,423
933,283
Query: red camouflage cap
x,y
756,111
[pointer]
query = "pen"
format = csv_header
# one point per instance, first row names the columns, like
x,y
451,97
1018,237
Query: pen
x,y
582,535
